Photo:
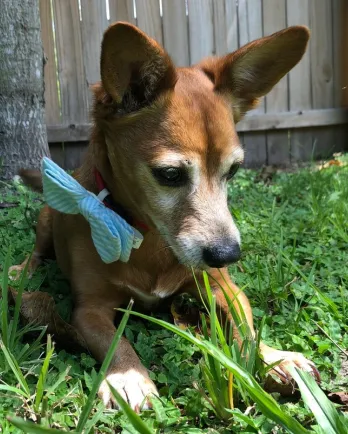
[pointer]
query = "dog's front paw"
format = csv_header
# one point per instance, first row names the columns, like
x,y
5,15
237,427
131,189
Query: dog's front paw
x,y
15,272
287,359
135,388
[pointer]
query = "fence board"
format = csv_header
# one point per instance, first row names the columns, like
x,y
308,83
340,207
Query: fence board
x,y
93,24
72,79
175,31
201,30
340,51
69,157
251,123
50,69
220,29
250,28
301,141
231,25
121,10
149,18
278,146
322,70
344,54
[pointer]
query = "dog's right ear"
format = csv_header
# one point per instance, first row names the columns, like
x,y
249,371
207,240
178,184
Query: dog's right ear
x,y
134,68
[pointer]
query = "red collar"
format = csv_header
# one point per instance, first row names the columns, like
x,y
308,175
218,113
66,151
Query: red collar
x,y
116,207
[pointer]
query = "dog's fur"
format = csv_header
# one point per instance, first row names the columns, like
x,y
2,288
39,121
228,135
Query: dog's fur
x,y
148,114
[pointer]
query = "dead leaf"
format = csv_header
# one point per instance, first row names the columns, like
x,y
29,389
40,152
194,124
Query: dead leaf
x,y
39,308
339,398
185,316
331,163
274,385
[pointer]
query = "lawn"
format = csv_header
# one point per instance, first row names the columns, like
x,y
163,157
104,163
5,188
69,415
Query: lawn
x,y
294,270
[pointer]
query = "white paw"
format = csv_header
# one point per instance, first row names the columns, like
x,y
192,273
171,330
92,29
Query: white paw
x,y
15,272
288,358
135,388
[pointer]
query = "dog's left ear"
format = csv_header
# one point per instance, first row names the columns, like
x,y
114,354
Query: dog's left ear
x,y
250,72
134,68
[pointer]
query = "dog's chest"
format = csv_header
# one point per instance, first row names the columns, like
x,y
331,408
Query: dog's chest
x,y
150,286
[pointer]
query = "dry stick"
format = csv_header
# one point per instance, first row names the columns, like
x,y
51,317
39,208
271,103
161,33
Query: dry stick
x,y
330,338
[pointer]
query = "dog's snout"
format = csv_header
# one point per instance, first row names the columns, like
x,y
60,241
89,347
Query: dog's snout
x,y
222,254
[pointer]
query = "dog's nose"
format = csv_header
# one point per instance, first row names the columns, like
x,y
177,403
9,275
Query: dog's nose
x,y
221,255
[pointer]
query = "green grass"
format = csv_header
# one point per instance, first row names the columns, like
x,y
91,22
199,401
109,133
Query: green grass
x,y
294,270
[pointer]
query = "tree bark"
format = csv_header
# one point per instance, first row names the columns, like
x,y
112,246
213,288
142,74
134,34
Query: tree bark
x,y
23,137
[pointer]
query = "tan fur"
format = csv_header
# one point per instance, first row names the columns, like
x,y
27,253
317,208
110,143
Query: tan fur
x,y
146,113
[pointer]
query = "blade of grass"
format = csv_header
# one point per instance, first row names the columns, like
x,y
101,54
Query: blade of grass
x,y
15,368
331,305
30,427
133,418
102,372
4,316
90,424
43,374
323,410
18,303
330,338
62,376
199,290
13,389
213,336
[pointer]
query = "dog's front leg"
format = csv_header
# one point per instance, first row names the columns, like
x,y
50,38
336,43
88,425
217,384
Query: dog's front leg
x,y
126,373
221,286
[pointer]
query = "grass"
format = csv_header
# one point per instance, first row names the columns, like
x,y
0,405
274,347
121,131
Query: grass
x,y
294,270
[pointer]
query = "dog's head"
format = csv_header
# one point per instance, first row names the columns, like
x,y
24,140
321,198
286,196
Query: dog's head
x,y
171,145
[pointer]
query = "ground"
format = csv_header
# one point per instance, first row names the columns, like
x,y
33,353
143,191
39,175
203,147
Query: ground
x,y
294,270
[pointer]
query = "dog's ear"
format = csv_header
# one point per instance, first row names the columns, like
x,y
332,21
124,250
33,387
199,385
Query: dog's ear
x,y
134,68
250,72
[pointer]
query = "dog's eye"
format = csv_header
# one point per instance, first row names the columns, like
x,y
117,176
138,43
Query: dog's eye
x,y
169,176
233,170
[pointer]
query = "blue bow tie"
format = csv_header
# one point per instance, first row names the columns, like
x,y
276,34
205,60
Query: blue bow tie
x,y
113,237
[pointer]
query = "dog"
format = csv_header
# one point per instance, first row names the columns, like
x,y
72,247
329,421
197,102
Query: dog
x,y
164,142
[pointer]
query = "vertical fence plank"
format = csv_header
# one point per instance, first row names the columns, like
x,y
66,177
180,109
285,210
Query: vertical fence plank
x,y
300,84
175,31
321,53
344,53
339,22
121,10
322,70
201,29
340,55
250,28
50,69
278,146
72,77
149,18
231,25
93,24
220,29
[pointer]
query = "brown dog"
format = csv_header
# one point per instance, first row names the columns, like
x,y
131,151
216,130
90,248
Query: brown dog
x,y
165,143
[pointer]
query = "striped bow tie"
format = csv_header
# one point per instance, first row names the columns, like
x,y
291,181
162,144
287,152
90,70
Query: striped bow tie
x,y
112,236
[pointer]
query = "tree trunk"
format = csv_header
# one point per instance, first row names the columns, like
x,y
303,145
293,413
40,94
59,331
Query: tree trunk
x,y
23,137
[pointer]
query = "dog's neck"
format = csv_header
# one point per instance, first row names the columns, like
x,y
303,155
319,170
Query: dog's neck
x,y
96,160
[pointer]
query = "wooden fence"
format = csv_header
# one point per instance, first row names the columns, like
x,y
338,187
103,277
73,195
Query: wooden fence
x,y
304,115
